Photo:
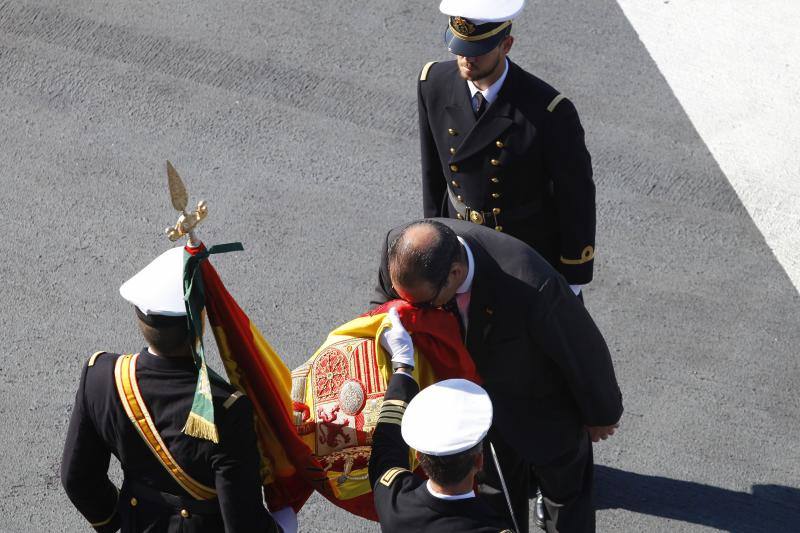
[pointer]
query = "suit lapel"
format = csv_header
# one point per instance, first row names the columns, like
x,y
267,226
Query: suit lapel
x,y
494,121
459,108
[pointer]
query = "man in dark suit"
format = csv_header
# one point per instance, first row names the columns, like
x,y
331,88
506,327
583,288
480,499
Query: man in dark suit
x,y
134,406
446,424
544,363
502,148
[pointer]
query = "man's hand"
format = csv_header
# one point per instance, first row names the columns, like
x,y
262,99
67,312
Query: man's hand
x,y
397,341
598,433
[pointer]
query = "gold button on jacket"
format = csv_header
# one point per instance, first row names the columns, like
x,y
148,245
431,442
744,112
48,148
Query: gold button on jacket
x,y
476,217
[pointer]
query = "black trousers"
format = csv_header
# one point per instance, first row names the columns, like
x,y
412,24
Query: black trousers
x,y
516,474
567,487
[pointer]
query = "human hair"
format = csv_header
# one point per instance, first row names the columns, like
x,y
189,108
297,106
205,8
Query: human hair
x,y
166,335
448,470
423,252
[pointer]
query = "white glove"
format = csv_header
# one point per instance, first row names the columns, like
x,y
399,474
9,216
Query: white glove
x,y
397,341
287,519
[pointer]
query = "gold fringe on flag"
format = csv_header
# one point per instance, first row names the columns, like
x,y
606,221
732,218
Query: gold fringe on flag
x,y
197,426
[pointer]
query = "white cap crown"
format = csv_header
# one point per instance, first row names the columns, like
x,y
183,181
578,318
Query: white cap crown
x,y
482,11
157,289
447,417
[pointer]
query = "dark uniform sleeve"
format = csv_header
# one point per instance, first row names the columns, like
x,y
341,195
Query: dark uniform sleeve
x,y
570,167
236,473
84,467
433,181
571,339
389,455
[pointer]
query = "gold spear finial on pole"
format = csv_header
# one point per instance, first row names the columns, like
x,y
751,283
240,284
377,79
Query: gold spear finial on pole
x,y
187,222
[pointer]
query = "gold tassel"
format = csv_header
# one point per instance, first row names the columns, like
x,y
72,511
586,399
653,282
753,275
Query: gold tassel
x,y
197,426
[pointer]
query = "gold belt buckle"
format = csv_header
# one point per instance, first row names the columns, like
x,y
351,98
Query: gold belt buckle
x,y
476,217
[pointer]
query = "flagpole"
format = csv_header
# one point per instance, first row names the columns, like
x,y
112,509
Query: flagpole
x,y
187,222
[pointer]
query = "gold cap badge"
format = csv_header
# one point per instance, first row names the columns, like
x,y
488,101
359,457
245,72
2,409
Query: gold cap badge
x,y
462,25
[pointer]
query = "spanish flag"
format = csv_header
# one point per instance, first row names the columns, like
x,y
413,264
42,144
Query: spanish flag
x,y
291,467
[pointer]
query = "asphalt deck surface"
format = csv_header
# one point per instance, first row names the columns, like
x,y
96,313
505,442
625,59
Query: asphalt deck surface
x,y
297,123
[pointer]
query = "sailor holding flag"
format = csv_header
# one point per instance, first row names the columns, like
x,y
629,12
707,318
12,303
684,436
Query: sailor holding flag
x,y
183,435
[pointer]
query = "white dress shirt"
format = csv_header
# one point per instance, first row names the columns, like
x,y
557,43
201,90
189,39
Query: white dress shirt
x,y
465,289
435,494
490,94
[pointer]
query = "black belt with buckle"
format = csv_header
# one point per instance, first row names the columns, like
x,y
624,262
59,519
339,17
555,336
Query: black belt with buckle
x,y
477,216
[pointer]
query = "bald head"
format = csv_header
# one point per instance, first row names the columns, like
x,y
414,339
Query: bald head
x,y
424,253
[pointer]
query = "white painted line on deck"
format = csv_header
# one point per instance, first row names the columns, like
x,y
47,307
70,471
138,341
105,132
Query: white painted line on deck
x,y
735,67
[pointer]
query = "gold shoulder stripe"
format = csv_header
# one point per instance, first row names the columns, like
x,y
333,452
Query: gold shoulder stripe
x,y
135,408
389,476
94,357
232,399
586,255
554,102
114,512
424,74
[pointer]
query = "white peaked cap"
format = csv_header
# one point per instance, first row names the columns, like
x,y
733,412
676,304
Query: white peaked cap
x,y
157,289
482,11
448,417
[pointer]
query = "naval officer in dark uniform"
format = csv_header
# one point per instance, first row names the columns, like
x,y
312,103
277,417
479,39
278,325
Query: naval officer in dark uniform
x,y
502,148
446,424
134,406
542,359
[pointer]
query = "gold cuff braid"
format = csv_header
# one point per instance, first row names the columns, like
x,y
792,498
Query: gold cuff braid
x,y
586,255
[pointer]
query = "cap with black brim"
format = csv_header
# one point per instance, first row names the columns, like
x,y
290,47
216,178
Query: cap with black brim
x,y
477,27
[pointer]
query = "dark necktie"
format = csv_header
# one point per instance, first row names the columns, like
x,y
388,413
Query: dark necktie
x,y
452,307
481,104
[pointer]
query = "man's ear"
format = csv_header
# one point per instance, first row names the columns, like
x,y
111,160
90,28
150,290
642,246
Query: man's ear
x,y
458,270
508,42
479,462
